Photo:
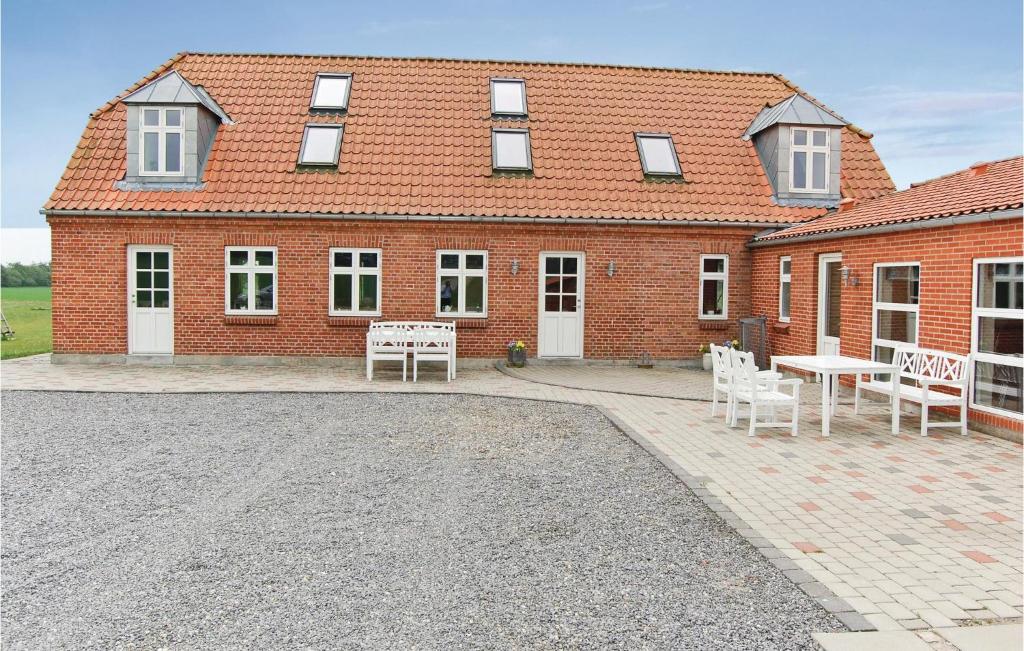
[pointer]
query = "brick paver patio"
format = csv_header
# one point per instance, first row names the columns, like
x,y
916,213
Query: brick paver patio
x,y
891,532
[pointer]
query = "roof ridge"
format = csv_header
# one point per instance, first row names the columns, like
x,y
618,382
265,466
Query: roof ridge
x,y
917,184
159,71
814,100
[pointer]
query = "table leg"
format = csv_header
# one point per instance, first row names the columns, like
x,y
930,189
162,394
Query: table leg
x,y
826,408
895,403
835,393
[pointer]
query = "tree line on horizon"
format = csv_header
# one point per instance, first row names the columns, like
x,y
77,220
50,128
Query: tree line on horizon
x,y
17,274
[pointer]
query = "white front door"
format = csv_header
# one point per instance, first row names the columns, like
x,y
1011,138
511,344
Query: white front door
x,y
150,300
830,292
561,305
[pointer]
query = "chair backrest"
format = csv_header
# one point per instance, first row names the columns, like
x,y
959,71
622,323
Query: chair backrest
x,y
744,370
721,366
386,338
432,338
932,365
412,325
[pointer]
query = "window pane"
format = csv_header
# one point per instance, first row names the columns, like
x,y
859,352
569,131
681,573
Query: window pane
x,y
161,260
343,259
552,265
172,117
237,258
713,296
474,294
264,258
833,308
551,284
449,260
449,289
551,303
172,152
510,150
569,265
896,326
799,169
144,298
819,177
784,301
368,260
330,92
151,117
150,152
239,291
999,386
321,143
659,156
368,293
820,138
343,292
787,265
264,291
142,279
568,303
1001,285
508,97
143,260
474,262
569,284
898,284
161,299
714,265
999,335
161,279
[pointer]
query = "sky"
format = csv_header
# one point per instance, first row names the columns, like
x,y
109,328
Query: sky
x,y
938,82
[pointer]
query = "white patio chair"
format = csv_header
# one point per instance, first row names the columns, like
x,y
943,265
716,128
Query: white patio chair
x,y
386,344
755,391
432,345
721,369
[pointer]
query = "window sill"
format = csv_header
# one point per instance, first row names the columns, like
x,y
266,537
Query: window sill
x,y
464,322
781,328
337,321
250,319
716,324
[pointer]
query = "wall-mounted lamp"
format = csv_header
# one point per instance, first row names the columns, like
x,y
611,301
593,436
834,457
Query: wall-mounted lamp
x,y
611,268
849,276
515,267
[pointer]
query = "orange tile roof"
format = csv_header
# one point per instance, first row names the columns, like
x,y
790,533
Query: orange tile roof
x,y
417,142
997,187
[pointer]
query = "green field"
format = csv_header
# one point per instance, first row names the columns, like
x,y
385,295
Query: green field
x,y
28,312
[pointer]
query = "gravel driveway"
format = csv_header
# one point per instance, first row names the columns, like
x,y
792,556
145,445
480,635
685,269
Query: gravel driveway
x,y
363,521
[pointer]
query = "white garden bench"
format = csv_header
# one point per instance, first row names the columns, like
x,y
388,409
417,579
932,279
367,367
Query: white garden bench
x,y
926,369
433,341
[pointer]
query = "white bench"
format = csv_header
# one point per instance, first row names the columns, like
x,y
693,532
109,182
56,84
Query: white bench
x,y
927,369
394,340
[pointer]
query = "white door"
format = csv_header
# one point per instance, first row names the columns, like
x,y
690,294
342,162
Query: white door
x,y
830,293
561,305
150,300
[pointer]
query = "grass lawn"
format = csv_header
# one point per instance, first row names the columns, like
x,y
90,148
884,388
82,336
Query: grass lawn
x,y
28,312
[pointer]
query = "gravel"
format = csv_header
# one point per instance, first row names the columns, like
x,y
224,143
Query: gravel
x,y
364,521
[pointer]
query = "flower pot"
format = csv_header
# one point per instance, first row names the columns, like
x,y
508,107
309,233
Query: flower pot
x,y
707,361
517,358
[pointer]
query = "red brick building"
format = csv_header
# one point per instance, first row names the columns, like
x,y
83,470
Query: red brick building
x,y
939,265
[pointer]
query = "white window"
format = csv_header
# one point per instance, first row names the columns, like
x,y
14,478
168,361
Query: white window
x,y
511,148
658,154
462,283
895,308
321,144
161,140
997,336
714,286
785,288
809,169
355,282
508,97
331,91
251,280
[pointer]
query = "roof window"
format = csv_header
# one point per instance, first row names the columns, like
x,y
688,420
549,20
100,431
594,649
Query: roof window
x,y
658,154
321,144
508,97
511,149
331,91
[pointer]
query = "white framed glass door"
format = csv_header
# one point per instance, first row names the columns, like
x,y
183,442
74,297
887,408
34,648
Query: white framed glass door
x,y
560,321
150,300
830,299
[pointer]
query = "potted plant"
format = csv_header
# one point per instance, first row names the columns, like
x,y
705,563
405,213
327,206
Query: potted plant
x,y
705,350
516,354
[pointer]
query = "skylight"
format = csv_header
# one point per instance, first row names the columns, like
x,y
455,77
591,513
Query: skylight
x,y
321,144
508,97
511,149
331,90
658,154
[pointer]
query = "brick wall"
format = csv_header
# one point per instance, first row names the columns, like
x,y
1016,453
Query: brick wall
x,y
649,305
946,256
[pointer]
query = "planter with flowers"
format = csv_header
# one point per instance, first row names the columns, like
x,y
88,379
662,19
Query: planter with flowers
x,y
516,354
705,351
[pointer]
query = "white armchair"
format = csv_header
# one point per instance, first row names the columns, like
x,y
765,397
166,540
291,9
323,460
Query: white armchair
x,y
756,392
721,369
432,345
386,344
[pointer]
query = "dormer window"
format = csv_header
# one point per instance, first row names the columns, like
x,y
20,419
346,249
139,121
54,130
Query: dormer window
x,y
160,141
331,91
321,144
658,154
809,152
510,149
508,97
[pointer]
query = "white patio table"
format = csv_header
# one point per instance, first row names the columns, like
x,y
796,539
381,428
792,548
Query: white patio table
x,y
830,367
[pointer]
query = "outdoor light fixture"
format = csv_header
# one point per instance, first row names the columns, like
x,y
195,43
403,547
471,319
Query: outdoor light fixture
x,y
515,267
849,276
611,268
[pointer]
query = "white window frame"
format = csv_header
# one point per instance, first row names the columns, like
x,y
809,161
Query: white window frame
x,y
785,279
992,358
161,130
713,275
494,151
316,86
462,273
809,149
508,80
337,145
877,305
355,271
672,147
251,269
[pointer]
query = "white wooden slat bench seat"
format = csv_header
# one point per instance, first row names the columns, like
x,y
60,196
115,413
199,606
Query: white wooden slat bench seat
x,y
926,369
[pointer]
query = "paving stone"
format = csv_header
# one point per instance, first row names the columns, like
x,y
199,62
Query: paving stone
x,y
914,513
903,539
985,638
